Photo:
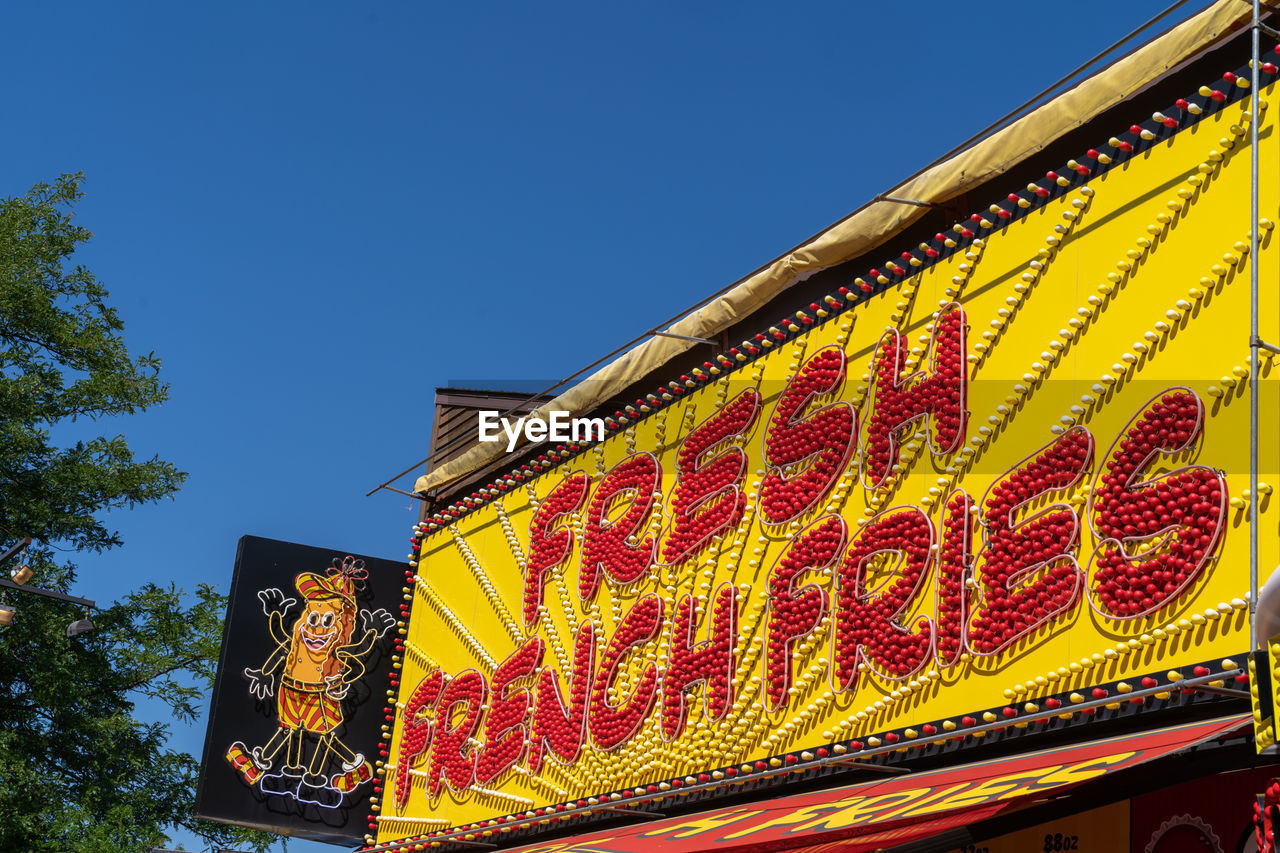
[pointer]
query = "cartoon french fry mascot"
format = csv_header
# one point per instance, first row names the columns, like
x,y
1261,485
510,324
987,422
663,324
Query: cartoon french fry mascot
x,y
315,660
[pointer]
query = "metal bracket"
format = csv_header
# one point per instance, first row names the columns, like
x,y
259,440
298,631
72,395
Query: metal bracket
x,y
899,200
1260,343
401,492
1222,691
685,338
1271,31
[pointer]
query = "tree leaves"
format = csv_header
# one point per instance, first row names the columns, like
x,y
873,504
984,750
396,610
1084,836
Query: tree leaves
x,y
62,358
78,771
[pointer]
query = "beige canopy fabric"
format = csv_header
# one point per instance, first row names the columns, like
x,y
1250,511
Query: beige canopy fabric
x,y
874,222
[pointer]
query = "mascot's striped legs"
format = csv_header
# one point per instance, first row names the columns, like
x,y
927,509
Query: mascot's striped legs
x,y
252,764
355,770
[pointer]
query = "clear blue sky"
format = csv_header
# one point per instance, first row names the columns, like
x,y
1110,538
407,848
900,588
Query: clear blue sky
x,y
316,212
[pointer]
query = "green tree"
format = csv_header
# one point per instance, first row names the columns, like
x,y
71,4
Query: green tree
x,y
78,771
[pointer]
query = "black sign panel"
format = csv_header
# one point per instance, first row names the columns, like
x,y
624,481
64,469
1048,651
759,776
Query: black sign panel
x,y
295,724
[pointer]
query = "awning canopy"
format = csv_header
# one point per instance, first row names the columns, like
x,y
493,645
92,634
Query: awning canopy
x,y
894,811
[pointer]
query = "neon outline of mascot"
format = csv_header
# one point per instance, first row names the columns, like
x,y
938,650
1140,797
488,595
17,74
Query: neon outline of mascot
x,y
315,661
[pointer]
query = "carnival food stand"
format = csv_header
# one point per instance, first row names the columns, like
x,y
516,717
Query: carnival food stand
x,y
941,532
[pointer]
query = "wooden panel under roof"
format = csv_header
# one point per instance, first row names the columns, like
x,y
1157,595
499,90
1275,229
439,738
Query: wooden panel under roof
x,y
456,419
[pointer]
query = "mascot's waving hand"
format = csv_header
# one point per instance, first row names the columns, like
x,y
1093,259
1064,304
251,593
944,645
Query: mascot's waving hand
x,y
309,671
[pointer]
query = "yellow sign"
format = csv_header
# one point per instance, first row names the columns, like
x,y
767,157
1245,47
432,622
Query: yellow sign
x,y
1015,474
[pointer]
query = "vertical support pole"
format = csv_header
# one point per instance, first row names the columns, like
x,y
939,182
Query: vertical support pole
x,y
1254,340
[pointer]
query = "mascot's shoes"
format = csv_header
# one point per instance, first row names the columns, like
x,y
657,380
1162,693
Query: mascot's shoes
x,y
243,763
315,789
259,760
354,774
285,783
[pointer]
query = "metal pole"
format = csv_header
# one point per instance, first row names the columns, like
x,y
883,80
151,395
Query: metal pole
x,y
48,593
898,200
689,338
7,555
1254,64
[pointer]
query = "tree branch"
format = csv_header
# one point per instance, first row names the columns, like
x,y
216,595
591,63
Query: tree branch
x,y
134,685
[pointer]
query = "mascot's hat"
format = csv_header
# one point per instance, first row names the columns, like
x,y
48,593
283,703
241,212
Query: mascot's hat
x,y
340,582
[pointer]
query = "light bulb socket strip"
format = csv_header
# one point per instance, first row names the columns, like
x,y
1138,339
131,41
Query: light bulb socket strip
x,y
1010,719
1229,89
